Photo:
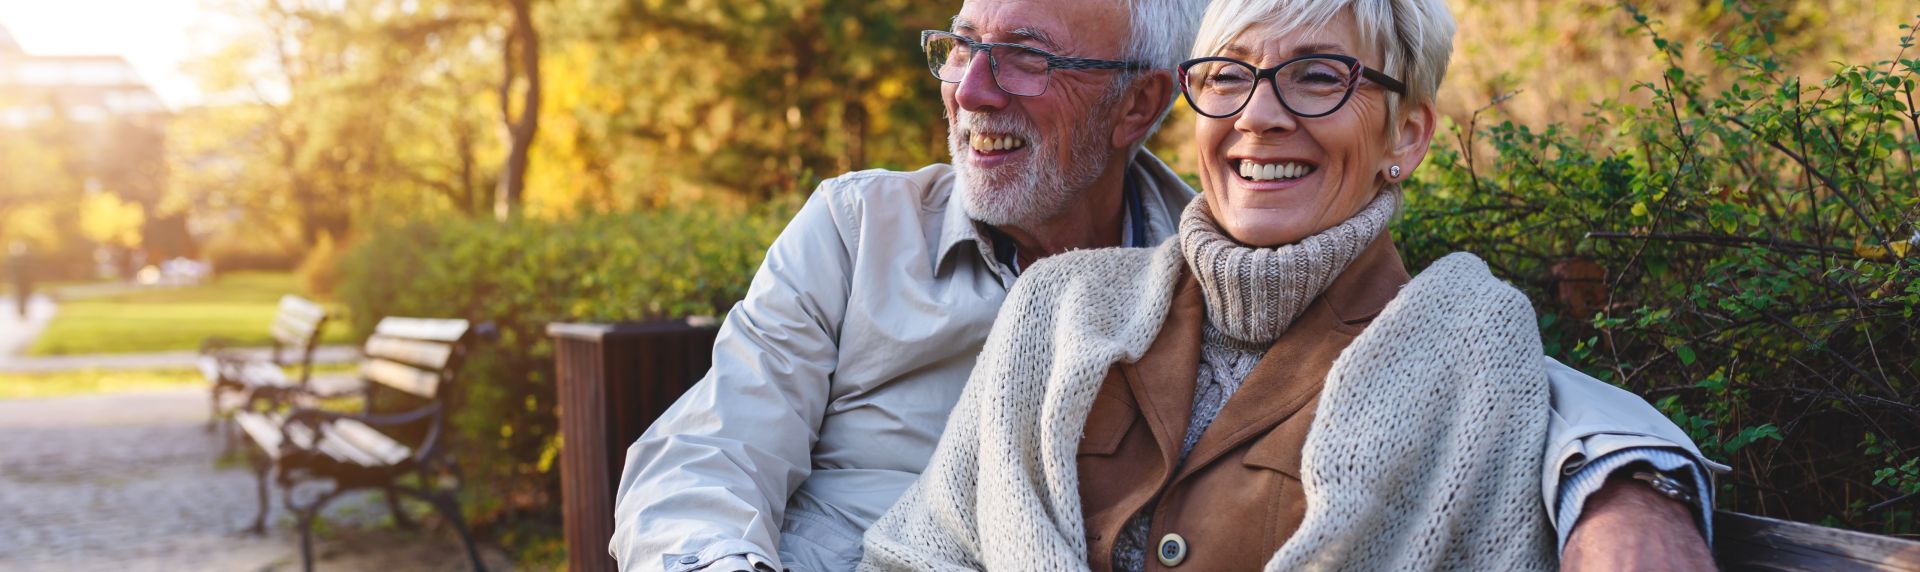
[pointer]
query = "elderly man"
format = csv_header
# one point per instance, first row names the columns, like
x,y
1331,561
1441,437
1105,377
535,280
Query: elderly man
x,y
833,379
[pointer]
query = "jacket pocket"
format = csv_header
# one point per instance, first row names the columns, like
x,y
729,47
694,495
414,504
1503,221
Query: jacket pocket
x,y
1107,425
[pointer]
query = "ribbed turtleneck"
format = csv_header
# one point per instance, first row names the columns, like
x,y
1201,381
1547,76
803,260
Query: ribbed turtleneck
x,y
1253,294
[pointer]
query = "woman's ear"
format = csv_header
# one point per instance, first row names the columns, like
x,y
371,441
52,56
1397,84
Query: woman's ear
x,y
1146,100
1415,137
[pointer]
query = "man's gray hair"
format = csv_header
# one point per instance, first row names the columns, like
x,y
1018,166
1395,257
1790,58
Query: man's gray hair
x,y
1161,35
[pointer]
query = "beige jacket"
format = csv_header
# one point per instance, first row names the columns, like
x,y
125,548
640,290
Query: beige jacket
x,y
833,379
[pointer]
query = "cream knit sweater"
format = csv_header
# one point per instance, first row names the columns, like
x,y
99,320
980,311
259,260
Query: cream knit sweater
x,y
1424,452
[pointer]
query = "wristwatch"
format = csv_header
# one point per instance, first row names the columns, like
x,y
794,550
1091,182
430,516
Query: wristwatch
x,y
1669,486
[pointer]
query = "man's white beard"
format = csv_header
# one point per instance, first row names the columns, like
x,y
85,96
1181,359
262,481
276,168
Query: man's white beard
x,y
1030,192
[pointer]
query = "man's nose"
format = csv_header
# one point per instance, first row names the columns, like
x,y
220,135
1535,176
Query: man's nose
x,y
978,92
1264,113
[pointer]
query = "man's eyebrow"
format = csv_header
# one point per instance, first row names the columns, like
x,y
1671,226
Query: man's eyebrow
x,y
961,24
1035,35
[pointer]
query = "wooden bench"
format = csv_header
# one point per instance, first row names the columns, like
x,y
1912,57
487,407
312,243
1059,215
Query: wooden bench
x,y
235,376
410,366
1747,542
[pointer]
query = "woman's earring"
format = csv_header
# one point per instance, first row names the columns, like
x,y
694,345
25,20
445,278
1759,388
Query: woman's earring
x,y
1393,172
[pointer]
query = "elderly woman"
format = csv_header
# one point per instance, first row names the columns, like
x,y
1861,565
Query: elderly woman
x,y
1270,387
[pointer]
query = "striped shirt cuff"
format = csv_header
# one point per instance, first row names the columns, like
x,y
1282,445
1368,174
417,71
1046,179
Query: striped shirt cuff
x,y
1674,463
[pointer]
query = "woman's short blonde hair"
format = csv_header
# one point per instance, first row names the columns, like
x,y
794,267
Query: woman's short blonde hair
x,y
1413,37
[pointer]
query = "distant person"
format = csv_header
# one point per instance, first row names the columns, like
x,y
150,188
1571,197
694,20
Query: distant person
x,y
833,378
20,266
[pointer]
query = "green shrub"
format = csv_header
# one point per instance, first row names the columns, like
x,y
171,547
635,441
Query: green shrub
x,y
1742,250
525,274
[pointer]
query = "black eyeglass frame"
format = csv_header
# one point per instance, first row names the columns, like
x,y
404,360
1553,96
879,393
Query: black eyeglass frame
x,y
1355,71
1054,61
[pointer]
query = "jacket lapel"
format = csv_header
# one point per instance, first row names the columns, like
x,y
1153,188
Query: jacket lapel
x,y
1162,381
1291,372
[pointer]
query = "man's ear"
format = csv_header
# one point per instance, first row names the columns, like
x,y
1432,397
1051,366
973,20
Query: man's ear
x,y
1417,125
1146,99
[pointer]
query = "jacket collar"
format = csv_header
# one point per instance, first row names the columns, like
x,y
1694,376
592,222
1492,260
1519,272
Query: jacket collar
x,y
1292,371
1286,378
1162,195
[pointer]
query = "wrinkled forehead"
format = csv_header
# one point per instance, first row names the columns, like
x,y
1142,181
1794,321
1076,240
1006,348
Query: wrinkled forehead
x,y
1284,27
1265,42
1084,28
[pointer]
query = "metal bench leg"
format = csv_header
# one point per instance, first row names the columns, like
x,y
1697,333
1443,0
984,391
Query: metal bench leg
x,y
449,507
306,515
399,516
306,539
261,467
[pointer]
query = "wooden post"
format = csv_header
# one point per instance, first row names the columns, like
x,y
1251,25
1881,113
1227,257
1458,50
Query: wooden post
x,y
614,380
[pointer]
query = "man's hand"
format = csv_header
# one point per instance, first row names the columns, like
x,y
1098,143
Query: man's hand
x,y
1626,525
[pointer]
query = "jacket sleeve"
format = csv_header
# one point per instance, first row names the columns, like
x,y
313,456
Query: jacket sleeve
x,y
709,481
1592,419
932,526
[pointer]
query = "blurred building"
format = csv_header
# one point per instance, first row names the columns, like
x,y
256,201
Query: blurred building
x,y
108,129
87,89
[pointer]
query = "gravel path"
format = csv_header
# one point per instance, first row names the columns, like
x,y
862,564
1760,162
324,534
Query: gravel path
x,y
131,482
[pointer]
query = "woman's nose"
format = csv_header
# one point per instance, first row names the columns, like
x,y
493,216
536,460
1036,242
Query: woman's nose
x,y
1264,114
978,92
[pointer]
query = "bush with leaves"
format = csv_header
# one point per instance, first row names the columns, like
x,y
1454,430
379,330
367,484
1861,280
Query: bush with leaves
x,y
1742,250
524,274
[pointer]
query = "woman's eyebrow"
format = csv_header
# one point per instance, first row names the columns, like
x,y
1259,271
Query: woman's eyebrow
x,y
1323,48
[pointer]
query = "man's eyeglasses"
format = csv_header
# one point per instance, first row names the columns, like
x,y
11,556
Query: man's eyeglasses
x,y
1313,85
1017,69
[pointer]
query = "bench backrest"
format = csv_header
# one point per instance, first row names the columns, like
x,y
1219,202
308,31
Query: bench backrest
x,y
296,330
415,355
1747,542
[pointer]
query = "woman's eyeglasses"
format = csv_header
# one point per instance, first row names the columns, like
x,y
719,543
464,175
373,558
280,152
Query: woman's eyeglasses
x,y
1313,85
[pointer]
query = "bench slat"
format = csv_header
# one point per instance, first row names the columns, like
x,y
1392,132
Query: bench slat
x,y
1747,542
402,377
302,309
264,430
449,331
428,355
380,450
291,337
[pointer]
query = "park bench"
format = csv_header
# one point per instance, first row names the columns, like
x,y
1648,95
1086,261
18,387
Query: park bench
x,y
615,379
236,376
409,369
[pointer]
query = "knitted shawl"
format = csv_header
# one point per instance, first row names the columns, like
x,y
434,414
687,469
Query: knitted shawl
x,y
1424,453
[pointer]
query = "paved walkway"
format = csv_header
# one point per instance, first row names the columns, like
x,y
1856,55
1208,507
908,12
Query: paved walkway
x,y
16,333
164,360
132,482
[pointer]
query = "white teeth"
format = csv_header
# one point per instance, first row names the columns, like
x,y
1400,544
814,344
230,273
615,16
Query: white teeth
x,y
981,143
1267,172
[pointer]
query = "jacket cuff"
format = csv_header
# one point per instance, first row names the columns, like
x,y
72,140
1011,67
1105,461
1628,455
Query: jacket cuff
x,y
1589,478
723,556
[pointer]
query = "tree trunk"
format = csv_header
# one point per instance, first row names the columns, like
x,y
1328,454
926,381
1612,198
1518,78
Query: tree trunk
x,y
522,54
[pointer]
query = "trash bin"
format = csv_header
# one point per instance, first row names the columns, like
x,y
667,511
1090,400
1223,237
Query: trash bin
x,y
613,381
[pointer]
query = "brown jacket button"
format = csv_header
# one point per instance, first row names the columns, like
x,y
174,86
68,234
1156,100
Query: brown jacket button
x,y
1173,550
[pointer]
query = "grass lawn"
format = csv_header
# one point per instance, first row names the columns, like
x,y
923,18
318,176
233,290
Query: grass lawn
x,y
238,306
30,385
93,381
